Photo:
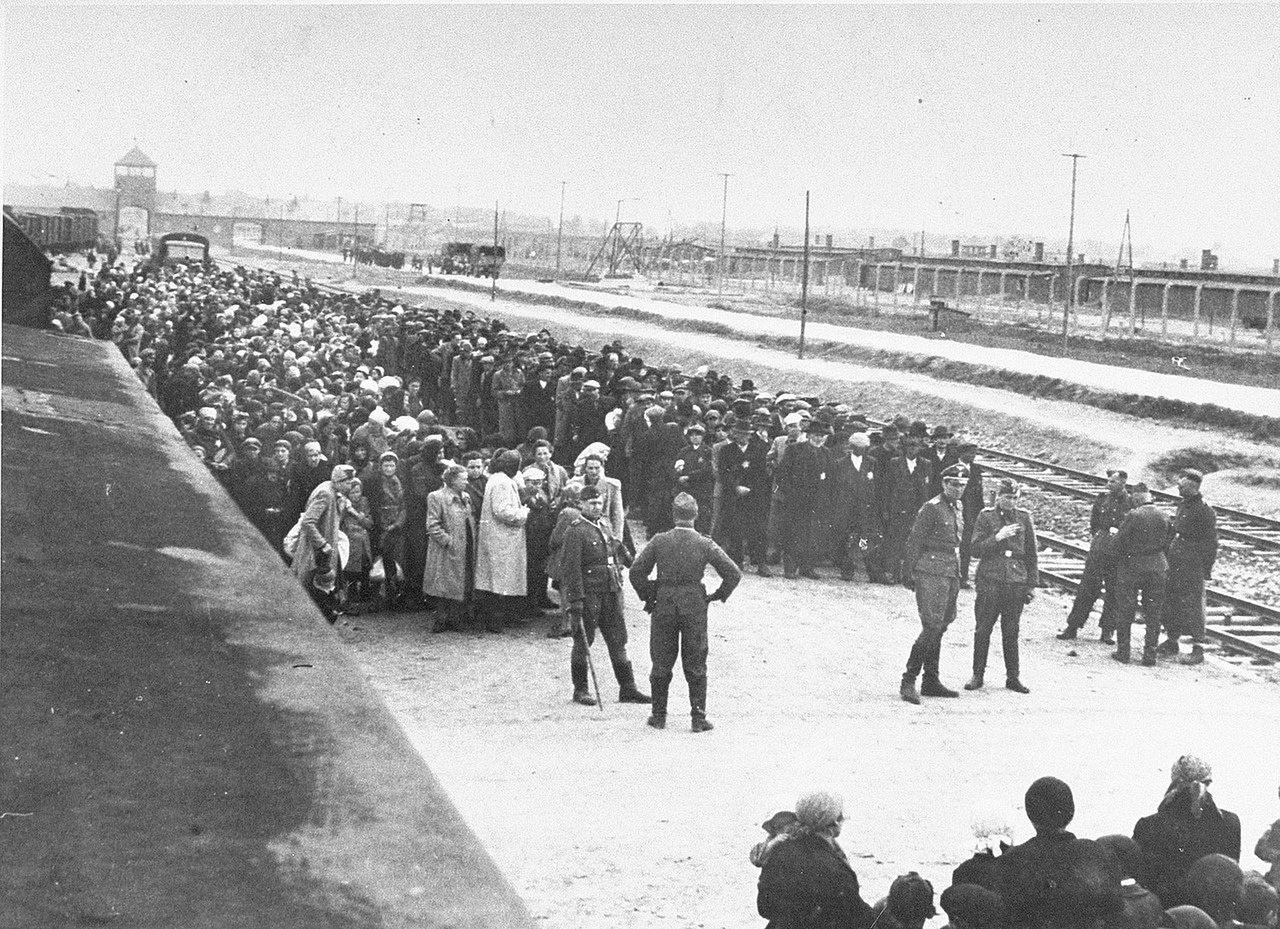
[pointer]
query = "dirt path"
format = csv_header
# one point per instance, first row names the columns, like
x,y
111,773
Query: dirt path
x,y
600,821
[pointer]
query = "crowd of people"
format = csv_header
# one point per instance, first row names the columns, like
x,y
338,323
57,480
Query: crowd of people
x,y
412,458
1179,869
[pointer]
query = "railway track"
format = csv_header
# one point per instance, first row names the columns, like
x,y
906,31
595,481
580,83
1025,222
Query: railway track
x,y
1244,631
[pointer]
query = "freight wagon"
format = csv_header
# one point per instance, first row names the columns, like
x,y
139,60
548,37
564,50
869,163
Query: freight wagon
x,y
67,229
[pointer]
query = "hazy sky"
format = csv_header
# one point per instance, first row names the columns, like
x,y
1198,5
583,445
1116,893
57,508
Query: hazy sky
x,y
953,118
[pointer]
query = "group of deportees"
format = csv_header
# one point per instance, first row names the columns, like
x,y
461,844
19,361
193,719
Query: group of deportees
x,y
384,441
1179,869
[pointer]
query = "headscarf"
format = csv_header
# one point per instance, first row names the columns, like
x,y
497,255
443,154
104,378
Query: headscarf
x,y
595,448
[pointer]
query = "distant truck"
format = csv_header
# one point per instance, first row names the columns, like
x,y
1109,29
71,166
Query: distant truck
x,y
471,259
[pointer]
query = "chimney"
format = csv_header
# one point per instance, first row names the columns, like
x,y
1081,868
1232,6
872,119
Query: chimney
x,y
1275,266
1039,251
775,238
993,251
817,238
871,241
828,242
1208,260
955,248
1183,264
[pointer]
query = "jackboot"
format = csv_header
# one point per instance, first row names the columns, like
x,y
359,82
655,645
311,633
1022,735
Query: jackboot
x,y
1149,657
1195,657
908,689
1066,635
975,682
580,692
660,689
1016,686
1121,654
1167,647
627,690
931,686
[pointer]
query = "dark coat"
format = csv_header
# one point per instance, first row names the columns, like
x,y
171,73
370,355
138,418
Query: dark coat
x,y
855,495
903,492
806,884
538,404
1141,541
1057,880
744,468
1194,536
800,476
1172,840
1107,514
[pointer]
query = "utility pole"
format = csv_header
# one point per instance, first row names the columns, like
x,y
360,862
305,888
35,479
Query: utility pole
x,y
355,235
386,226
560,230
493,292
724,211
804,277
1071,244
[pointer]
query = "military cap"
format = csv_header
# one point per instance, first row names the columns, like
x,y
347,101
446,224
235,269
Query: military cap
x,y
957,472
684,506
1193,475
1116,472
1007,488
1141,488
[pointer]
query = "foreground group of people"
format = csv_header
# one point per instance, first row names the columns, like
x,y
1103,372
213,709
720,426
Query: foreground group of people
x,y
1179,869
408,457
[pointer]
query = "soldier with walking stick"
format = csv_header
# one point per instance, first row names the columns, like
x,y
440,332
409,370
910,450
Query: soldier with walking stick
x,y
678,603
591,586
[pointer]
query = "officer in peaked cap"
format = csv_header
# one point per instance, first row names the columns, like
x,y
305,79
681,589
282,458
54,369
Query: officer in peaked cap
x,y
678,603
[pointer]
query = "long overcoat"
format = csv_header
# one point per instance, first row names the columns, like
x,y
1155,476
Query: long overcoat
x,y
448,516
320,521
500,556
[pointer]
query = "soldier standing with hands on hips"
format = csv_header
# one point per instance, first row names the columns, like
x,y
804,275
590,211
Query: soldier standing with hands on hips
x,y
591,586
931,567
1004,539
678,603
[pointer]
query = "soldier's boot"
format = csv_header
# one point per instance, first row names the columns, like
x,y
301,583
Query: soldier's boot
x,y
698,707
1121,654
1150,650
908,690
1195,657
627,690
975,682
931,685
580,692
1168,647
658,715
1069,633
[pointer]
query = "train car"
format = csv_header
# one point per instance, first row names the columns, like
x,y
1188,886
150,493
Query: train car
x,y
67,229
487,260
456,258
175,247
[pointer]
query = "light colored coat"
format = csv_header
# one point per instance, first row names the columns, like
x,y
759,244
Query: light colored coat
x,y
448,516
500,555
319,527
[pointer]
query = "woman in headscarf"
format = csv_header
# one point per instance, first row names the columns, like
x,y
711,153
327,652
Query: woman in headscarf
x,y
500,554
387,506
806,882
1187,826
315,559
451,555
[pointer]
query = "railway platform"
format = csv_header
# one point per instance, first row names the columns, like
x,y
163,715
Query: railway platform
x,y
183,740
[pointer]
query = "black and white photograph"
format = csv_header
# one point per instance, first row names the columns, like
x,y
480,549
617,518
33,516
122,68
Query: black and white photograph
x,y
640,465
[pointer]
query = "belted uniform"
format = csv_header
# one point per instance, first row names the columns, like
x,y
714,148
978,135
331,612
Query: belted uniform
x,y
1142,568
679,605
591,586
1007,571
1192,551
932,563
1101,565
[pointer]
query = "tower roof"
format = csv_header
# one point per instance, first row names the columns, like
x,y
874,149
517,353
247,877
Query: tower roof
x,y
135,158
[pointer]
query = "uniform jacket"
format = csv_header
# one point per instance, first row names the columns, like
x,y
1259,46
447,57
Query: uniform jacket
x,y
807,884
1143,535
500,554
1194,535
1008,561
681,555
1107,514
933,545
611,510
591,558
448,518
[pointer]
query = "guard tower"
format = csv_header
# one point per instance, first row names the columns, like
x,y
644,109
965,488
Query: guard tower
x,y
135,192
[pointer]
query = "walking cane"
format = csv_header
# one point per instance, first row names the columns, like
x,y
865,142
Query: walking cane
x,y
591,665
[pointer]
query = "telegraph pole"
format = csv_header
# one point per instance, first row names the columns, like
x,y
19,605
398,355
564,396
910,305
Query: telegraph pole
x,y
804,277
724,212
1071,233
493,292
355,237
560,230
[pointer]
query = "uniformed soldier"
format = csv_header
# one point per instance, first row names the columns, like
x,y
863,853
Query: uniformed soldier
x,y
1108,511
1141,567
1004,539
591,585
1192,551
679,606
931,567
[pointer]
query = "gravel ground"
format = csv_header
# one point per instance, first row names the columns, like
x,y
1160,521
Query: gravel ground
x,y
600,821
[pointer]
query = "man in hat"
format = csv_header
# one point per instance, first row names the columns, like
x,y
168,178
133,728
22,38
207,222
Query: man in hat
x,y
1004,540
802,477
906,488
678,604
591,588
1100,565
940,455
538,396
744,497
931,567
695,473
1192,551
1142,568
568,389
856,510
